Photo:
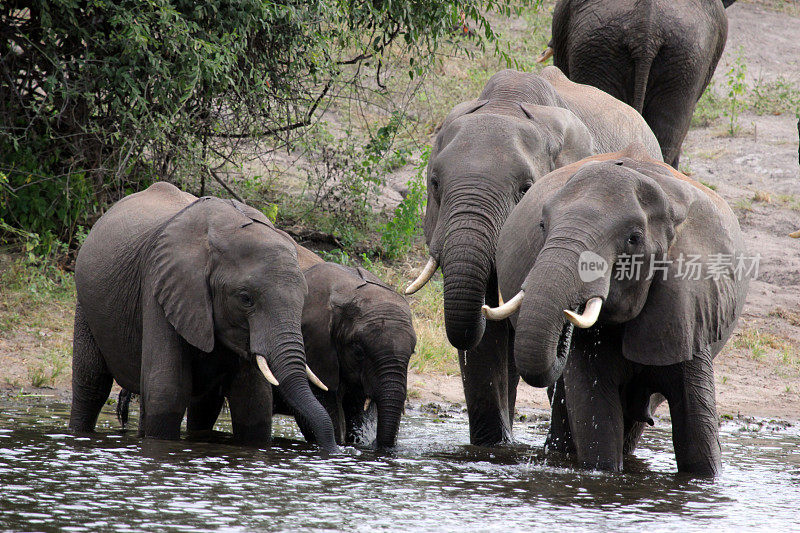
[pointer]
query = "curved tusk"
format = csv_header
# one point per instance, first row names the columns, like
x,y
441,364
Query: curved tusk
x,y
424,276
505,310
590,313
264,367
544,56
796,234
315,380
366,403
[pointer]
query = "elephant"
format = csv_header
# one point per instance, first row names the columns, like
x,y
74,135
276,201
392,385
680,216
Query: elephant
x,y
487,153
179,297
359,338
621,337
656,55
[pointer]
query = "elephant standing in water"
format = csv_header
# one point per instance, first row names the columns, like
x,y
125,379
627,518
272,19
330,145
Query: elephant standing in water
x,y
569,253
179,296
359,339
488,152
656,55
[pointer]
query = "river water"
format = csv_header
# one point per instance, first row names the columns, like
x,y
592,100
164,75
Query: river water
x,y
52,480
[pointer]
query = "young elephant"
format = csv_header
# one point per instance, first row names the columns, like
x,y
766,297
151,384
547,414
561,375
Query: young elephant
x,y
573,245
359,338
179,296
656,55
487,154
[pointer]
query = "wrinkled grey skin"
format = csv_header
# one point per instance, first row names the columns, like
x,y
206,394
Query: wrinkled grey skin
x,y
656,55
654,336
487,154
359,338
176,296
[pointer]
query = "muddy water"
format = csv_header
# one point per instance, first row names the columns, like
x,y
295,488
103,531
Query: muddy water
x,y
52,480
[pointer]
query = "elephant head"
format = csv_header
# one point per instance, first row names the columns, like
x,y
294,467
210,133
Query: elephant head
x,y
359,339
485,157
573,243
224,275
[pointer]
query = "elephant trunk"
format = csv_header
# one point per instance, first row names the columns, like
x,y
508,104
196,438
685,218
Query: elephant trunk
x,y
390,399
288,363
467,261
543,333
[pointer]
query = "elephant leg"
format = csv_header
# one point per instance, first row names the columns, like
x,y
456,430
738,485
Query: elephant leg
x,y
669,115
91,379
595,409
166,381
559,437
695,424
204,411
484,374
250,399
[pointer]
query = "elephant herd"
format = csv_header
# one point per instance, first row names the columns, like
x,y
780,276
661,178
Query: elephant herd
x,y
564,242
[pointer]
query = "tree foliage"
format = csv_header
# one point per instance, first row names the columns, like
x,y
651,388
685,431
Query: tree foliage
x,y
101,97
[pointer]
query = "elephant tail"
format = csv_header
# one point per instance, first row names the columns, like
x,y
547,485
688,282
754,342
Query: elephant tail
x,y
641,75
123,405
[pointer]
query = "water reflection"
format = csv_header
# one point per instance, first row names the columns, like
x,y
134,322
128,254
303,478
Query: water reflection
x,y
50,479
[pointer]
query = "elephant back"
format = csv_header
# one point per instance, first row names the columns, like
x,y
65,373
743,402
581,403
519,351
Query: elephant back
x,y
614,124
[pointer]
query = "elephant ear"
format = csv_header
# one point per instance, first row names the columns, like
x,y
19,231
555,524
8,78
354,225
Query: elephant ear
x,y
572,139
686,314
369,277
180,264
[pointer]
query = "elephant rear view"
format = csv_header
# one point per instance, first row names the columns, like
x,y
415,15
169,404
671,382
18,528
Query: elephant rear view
x,y
180,296
656,55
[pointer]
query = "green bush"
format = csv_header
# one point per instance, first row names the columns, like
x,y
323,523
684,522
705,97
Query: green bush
x,y
102,97
399,233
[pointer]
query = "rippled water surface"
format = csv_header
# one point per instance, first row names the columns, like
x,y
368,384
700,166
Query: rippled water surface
x,y
52,480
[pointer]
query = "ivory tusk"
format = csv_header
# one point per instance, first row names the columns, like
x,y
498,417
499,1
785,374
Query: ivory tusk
x,y
264,367
315,380
505,310
796,234
366,403
424,276
589,316
544,56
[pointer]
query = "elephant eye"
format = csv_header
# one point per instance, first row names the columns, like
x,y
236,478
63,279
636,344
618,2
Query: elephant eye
x,y
435,184
246,300
541,224
524,187
634,239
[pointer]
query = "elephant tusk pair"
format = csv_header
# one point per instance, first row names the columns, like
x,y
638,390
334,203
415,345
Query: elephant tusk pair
x,y
585,320
544,56
424,276
795,235
504,310
264,367
590,313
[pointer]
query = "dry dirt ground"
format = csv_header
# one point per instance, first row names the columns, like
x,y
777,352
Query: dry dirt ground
x,y
758,373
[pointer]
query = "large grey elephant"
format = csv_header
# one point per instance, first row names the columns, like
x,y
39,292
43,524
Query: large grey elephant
x,y
488,152
568,255
178,296
656,55
359,338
